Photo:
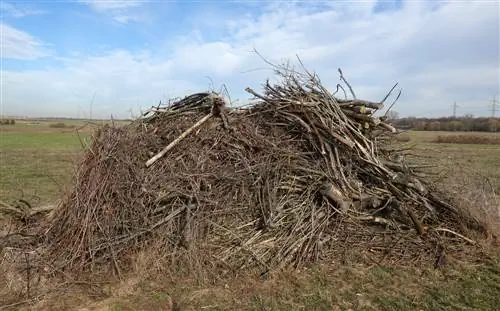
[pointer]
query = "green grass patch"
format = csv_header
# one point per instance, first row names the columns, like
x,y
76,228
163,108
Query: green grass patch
x,y
35,166
12,141
476,290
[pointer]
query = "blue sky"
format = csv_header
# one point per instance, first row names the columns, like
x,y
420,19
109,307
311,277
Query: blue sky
x,y
59,57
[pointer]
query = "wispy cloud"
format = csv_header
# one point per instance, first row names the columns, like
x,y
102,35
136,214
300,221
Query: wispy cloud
x,y
121,11
125,19
17,44
112,5
18,10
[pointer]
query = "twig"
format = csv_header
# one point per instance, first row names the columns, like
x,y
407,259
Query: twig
x,y
393,103
347,83
457,234
138,234
16,304
20,213
6,207
337,90
26,203
28,275
375,219
249,90
388,94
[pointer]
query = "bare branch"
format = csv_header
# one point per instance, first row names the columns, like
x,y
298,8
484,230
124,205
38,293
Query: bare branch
x,y
347,83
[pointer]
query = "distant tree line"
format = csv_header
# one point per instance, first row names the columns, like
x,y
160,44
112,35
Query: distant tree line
x,y
453,124
7,121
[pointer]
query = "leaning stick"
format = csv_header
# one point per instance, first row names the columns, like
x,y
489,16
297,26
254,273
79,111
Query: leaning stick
x,y
178,139
457,234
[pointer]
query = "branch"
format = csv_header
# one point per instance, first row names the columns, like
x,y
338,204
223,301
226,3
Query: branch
x,y
342,88
178,139
457,234
388,94
389,109
331,192
359,102
347,83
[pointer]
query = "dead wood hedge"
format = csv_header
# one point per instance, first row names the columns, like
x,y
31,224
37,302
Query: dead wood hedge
x,y
299,176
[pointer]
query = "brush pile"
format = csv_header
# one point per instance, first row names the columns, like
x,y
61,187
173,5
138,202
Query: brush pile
x,y
299,176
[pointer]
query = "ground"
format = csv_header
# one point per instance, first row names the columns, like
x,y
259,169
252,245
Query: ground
x,y
36,164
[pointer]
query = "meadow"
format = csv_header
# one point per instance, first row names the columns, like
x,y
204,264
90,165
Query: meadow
x,y
37,157
37,161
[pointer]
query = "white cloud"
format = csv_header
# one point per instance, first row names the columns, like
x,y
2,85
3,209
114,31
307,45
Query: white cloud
x,y
120,80
125,19
19,11
121,11
217,58
111,5
17,44
439,54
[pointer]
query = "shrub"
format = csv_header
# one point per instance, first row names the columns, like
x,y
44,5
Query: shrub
x,y
7,121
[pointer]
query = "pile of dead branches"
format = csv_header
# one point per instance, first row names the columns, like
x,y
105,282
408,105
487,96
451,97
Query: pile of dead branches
x,y
299,176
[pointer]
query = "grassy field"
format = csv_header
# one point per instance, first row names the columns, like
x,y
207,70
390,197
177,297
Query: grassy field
x,y
483,159
36,162
36,159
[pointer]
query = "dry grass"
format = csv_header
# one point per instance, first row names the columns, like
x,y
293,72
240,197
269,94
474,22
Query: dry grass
x,y
430,136
475,193
468,139
403,137
325,286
